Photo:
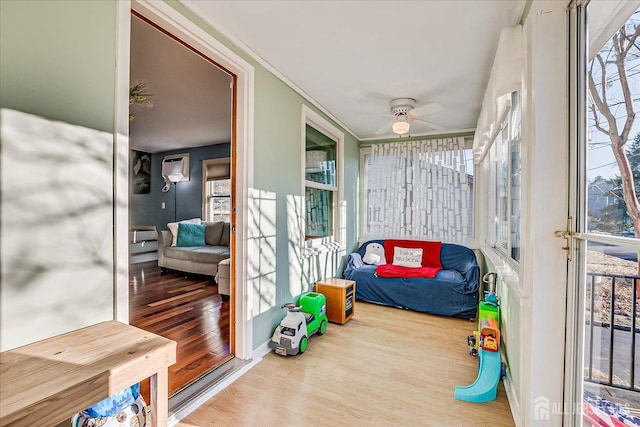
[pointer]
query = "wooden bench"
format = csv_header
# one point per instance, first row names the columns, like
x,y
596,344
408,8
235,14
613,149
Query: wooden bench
x,y
53,379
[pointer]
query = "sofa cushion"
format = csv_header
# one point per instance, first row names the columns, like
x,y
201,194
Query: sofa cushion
x,y
201,254
190,235
213,233
226,234
173,227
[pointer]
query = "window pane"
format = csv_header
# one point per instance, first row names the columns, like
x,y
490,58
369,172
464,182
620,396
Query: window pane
x,y
613,156
221,208
515,175
319,213
320,159
222,187
503,186
218,200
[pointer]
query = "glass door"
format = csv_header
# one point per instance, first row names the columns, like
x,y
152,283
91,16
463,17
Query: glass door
x,y
603,354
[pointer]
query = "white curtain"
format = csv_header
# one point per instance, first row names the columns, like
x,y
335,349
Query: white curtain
x,y
419,190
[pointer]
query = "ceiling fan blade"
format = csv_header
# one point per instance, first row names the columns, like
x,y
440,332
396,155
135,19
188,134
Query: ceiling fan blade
x,y
384,128
429,124
434,107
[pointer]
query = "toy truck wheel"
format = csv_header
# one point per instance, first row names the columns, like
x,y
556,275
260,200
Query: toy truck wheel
x,y
323,328
303,344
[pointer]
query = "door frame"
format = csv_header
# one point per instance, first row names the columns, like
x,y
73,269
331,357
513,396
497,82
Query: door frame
x,y
179,26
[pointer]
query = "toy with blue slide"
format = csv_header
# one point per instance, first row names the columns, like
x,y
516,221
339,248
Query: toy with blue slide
x,y
485,344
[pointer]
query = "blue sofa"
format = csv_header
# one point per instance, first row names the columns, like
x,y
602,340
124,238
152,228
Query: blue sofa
x,y
453,292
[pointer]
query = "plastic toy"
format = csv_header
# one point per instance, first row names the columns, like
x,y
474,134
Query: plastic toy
x,y
126,408
485,345
292,335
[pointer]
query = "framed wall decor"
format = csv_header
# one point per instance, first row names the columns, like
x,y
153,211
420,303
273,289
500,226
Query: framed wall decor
x,y
141,172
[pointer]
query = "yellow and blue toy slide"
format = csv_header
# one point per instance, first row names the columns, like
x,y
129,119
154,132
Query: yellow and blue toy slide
x,y
485,387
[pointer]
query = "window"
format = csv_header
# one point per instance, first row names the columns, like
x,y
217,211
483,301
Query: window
x,y
322,180
320,183
217,189
504,159
418,190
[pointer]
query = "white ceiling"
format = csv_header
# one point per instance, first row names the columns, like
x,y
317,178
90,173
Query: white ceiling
x,y
350,57
191,97
353,57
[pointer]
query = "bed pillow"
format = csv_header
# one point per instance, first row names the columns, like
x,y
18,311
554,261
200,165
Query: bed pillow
x,y
173,227
407,257
191,234
374,254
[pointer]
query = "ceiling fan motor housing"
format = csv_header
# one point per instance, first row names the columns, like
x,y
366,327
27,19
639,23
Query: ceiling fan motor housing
x,y
401,106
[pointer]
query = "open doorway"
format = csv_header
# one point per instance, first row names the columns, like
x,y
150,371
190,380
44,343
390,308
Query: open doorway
x,y
182,108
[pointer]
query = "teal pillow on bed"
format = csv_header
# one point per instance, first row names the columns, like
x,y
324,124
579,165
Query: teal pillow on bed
x,y
190,235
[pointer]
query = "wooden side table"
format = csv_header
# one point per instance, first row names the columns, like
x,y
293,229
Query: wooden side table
x,y
55,378
341,296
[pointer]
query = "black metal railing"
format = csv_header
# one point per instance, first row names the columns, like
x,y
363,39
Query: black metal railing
x,y
620,294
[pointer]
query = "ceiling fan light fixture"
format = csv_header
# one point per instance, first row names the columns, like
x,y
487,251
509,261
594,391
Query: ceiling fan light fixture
x,y
400,127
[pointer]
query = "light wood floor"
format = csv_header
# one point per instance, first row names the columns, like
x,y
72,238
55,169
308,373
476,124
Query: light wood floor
x,y
385,367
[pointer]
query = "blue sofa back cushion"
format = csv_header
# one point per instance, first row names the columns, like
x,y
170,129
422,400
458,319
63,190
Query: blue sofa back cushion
x,y
191,235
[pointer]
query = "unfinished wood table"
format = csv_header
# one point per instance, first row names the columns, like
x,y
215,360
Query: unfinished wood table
x,y
55,378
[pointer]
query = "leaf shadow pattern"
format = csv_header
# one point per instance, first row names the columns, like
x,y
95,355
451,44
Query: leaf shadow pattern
x,y
56,227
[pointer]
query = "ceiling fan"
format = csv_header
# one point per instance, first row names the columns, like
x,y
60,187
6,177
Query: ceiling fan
x,y
404,111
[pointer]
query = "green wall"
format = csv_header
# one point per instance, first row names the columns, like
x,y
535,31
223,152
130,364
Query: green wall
x,y
58,60
278,273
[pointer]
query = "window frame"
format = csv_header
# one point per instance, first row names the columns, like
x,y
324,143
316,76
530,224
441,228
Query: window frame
x,y
205,199
494,158
337,238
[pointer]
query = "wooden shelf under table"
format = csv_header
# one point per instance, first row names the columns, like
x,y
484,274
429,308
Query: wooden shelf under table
x,y
55,378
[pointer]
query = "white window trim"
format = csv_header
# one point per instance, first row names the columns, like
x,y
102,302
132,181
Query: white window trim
x,y
490,154
338,239
205,163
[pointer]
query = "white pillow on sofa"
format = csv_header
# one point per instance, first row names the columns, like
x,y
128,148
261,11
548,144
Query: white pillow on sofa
x,y
407,257
173,227
374,254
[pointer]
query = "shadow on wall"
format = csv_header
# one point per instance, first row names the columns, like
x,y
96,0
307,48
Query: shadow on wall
x,y
262,238
306,267
56,228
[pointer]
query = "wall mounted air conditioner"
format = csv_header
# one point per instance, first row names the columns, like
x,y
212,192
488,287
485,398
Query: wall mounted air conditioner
x,y
176,163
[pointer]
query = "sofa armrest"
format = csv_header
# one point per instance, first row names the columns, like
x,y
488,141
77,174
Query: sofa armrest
x,y
354,262
164,240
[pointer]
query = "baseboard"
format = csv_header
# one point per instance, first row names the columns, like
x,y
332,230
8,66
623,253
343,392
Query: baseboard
x,y
514,404
262,350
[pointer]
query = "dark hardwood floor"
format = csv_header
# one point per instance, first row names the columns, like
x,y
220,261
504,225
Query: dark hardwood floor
x,y
186,309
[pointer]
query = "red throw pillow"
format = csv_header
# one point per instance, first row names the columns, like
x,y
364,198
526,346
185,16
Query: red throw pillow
x,y
430,251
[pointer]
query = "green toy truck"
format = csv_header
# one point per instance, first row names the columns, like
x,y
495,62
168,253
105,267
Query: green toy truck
x,y
292,335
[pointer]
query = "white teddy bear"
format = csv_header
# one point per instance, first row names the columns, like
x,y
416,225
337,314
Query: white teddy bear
x,y
374,254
